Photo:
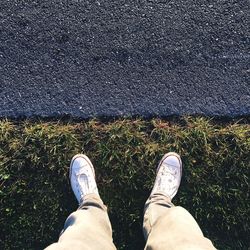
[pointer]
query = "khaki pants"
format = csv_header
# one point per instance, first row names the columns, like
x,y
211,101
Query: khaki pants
x,y
164,227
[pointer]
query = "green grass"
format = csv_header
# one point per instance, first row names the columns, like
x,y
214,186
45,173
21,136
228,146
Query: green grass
x,y
36,198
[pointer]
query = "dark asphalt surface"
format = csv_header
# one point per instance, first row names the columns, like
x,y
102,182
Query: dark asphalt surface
x,y
111,58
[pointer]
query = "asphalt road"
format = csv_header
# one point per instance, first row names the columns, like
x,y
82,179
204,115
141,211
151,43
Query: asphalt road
x,y
124,57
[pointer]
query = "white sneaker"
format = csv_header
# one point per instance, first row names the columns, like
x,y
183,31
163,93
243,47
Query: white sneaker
x,y
82,177
168,176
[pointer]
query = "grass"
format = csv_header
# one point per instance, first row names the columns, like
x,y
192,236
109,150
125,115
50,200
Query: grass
x,y
36,198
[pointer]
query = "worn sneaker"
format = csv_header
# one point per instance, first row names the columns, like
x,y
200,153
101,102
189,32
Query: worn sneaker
x,y
168,176
82,177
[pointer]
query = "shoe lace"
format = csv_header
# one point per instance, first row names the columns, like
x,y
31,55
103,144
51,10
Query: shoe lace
x,y
167,178
82,184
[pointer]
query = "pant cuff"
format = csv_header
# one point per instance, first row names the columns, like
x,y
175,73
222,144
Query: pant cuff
x,y
159,198
93,200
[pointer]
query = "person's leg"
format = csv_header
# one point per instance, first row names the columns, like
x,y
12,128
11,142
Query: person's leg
x,y
166,226
88,227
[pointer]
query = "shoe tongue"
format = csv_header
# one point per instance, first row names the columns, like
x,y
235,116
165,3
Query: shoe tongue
x,y
167,184
84,183
168,178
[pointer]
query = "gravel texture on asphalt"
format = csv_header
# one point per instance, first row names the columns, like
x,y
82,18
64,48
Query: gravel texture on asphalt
x,y
124,57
